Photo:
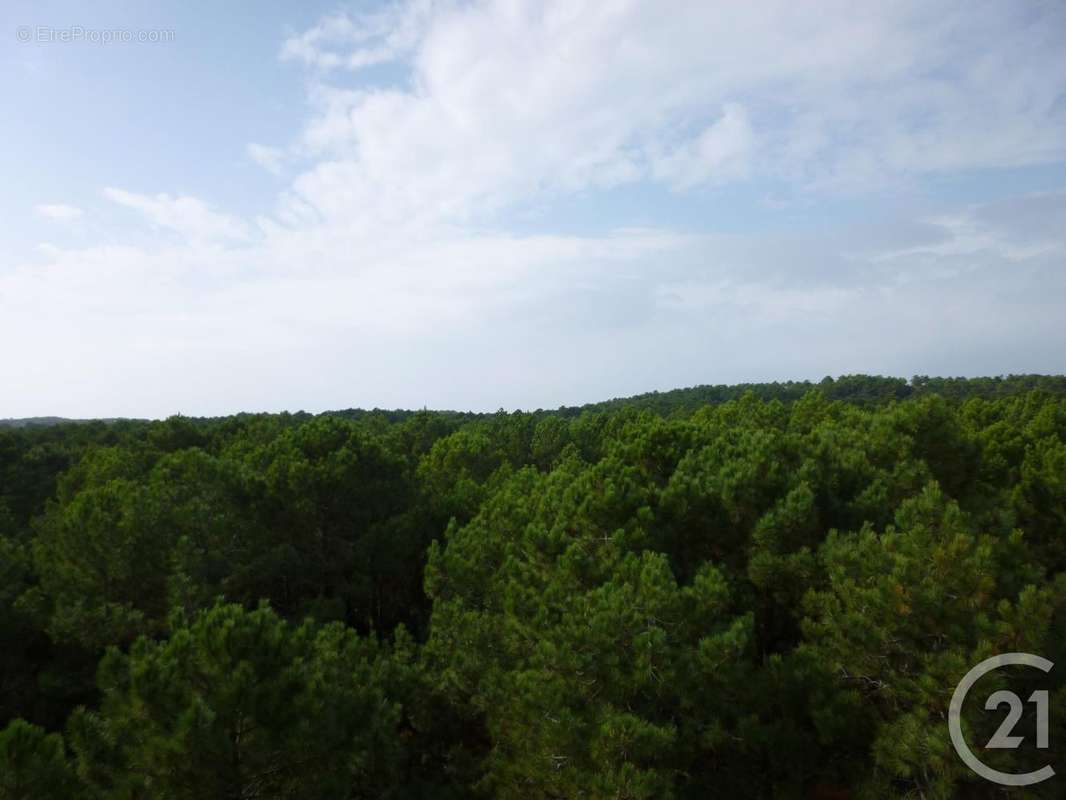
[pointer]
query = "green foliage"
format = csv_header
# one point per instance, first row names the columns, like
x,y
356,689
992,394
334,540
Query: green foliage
x,y
241,704
766,591
34,766
580,649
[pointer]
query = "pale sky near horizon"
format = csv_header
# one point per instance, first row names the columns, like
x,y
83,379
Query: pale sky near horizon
x,y
520,203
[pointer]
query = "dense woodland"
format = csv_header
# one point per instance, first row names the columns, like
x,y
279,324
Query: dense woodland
x,y
757,591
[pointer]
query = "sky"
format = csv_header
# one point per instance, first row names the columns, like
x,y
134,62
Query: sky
x,y
209,208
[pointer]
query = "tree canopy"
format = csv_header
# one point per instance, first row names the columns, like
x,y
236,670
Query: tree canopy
x,y
757,591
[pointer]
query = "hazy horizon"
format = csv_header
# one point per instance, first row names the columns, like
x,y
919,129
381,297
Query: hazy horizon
x,y
500,409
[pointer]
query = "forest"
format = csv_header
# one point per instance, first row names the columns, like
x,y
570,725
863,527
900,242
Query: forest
x,y
764,591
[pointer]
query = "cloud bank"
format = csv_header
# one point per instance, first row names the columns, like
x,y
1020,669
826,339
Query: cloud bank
x,y
418,254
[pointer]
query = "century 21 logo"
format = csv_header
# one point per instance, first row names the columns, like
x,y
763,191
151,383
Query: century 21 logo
x,y
1002,738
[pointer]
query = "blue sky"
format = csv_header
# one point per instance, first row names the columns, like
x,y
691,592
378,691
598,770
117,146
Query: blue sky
x,y
521,204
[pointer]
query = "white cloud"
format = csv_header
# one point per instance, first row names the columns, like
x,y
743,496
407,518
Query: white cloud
x,y
187,216
513,101
322,317
58,211
721,152
269,158
969,236
357,41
